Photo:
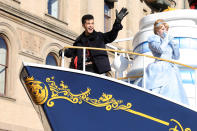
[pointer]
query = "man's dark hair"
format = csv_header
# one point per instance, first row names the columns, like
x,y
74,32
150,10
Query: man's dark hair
x,y
86,17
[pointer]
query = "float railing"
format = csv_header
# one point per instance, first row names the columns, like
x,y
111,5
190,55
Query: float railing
x,y
126,52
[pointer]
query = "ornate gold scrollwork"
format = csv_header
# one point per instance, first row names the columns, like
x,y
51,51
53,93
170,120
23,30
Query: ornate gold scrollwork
x,y
64,93
178,125
106,100
37,90
40,95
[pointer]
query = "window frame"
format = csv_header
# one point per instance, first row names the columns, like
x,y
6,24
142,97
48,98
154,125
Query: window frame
x,y
55,57
58,9
6,66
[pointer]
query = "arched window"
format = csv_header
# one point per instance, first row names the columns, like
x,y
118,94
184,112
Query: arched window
x,y
3,65
51,59
53,8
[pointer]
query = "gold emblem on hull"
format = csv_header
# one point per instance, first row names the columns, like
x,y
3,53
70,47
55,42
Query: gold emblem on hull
x,y
37,90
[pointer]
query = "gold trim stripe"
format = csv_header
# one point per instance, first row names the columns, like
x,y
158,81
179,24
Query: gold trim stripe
x,y
148,117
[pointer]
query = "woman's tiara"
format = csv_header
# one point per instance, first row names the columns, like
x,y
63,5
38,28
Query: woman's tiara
x,y
158,24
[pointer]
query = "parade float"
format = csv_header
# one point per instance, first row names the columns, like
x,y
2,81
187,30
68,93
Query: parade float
x,y
70,100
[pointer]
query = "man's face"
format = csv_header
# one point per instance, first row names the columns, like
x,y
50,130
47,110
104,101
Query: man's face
x,y
89,26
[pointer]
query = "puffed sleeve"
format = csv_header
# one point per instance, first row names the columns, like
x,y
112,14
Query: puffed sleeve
x,y
156,44
175,48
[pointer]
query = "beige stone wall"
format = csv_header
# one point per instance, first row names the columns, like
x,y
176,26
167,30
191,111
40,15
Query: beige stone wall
x,y
28,40
73,16
36,7
16,111
31,34
137,10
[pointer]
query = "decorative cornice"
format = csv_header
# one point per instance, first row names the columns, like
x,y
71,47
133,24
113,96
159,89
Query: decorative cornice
x,y
17,1
30,55
38,21
48,15
7,98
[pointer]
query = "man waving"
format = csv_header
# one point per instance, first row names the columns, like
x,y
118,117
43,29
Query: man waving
x,y
96,61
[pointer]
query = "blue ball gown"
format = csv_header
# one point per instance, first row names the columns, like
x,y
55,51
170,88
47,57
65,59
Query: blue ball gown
x,y
163,77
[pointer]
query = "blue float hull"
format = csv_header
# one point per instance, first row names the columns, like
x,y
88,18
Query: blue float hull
x,y
76,101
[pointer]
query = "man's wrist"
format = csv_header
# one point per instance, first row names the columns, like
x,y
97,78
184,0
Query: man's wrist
x,y
117,26
118,21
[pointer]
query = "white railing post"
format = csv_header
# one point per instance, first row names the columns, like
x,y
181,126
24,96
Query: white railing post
x,y
62,63
129,80
84,59
144,72
195,88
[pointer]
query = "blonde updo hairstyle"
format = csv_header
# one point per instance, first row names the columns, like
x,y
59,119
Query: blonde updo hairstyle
x,y
158,25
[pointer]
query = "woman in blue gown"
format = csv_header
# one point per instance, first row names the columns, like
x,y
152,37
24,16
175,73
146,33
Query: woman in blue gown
x,y
163,77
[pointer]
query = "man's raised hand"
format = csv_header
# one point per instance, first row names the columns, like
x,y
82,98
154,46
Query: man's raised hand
x,y
119,16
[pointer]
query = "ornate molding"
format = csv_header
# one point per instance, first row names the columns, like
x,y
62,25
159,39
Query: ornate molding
x,y
31,55
7,98
17,1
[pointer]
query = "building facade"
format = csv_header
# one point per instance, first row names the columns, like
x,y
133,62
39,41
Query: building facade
x,y
35,30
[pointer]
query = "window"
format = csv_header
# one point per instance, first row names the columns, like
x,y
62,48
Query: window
x,y
53,8
51,59
3,66
107,18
